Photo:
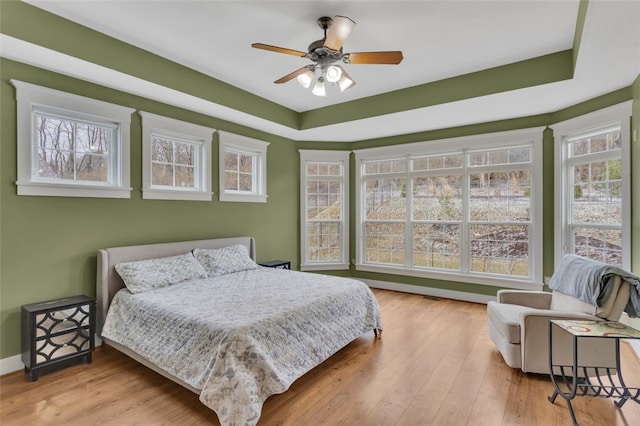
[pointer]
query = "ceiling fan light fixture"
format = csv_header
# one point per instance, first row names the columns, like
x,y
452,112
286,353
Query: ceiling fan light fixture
x,y
319,89
345,83
333,74
305,79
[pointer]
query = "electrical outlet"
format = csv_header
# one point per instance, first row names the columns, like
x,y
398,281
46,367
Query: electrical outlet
x,y
546,280
635,135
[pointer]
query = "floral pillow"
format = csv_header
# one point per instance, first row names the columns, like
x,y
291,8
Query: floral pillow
x,y
150,274
226,260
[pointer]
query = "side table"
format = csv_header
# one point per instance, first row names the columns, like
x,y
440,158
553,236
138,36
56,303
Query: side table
x,y
277,264
57,332
572,380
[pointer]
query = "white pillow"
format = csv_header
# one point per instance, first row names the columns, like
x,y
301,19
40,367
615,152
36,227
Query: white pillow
x,y
150,274
225,260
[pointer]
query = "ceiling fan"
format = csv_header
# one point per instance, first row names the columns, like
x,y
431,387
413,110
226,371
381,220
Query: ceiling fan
x,y
325,52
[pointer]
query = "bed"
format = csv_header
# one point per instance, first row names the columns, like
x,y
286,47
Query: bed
x,y
235,335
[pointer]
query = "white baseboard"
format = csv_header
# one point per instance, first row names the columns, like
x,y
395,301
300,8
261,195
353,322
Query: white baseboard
x,y
11,364
429,291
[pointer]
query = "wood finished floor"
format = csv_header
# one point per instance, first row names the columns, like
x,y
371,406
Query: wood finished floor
x,y
435,365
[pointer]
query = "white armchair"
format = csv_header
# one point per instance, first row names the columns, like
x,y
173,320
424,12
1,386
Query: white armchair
x,y
519,327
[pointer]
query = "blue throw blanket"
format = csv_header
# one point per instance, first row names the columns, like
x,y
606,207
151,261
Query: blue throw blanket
x,y
588,280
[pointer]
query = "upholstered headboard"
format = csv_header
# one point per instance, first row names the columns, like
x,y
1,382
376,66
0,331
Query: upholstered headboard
x,y
108,281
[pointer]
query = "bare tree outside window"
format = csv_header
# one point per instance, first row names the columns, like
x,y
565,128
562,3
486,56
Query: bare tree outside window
x,y
72,150
173,162
239,171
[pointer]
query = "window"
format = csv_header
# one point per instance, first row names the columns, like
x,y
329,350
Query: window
x,y
324,209
69,145
243,168
593,178
463,209
176,159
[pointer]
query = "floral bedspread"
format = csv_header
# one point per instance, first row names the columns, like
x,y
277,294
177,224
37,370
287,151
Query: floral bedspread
x,y
244,336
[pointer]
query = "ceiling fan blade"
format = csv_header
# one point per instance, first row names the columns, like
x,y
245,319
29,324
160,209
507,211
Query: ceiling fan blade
x,y
338,32
279,49
292,75
390,57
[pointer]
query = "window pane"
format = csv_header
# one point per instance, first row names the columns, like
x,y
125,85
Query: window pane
x,y
323,242
161,150
500,196
384,242
162,174
437,198
312,170
520,155
500,249
478,159
231,161
184,153
385,199
601,244
185,177
436,246
245,182
231,182
246,163
498,157
335,170
92,168
55,164
55,133
597,193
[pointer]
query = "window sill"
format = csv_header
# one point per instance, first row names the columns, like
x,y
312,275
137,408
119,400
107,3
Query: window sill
x,y
176,194
243,198
491,280
69,190
324,267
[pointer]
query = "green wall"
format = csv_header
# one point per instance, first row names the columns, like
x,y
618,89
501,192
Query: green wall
x,y
48,244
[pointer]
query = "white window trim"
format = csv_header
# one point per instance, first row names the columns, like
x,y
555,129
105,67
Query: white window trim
x,y
328,156
489,140
619,114
231,141
199,135
29,95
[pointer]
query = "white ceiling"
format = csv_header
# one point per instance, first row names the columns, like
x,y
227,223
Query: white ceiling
x,y
439,39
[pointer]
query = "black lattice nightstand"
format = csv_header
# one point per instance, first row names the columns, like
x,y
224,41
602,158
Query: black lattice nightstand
x,y
57,333
278,264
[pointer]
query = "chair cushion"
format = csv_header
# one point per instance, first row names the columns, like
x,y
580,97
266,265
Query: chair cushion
x,y
505,318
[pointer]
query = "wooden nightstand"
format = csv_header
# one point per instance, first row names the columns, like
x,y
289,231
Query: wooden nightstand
x,y
57,333
277,264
